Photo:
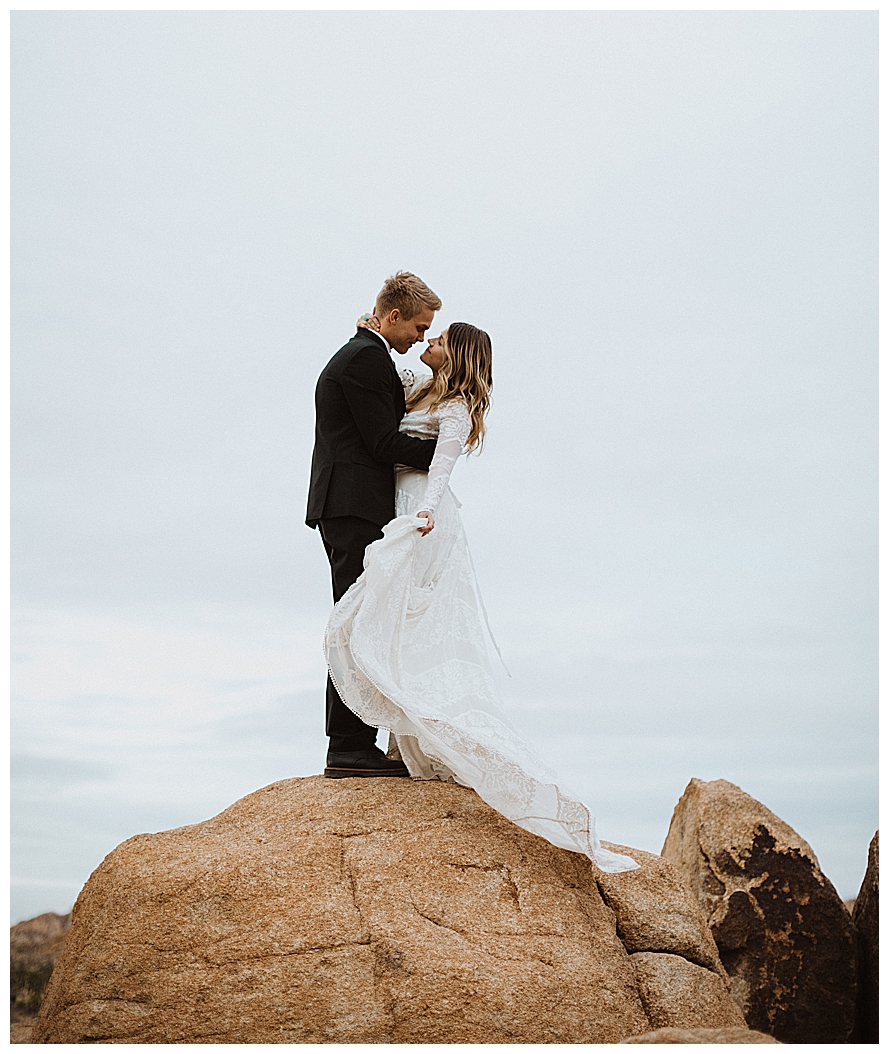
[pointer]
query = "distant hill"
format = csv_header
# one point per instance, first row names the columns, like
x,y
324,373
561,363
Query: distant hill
x,y
34,947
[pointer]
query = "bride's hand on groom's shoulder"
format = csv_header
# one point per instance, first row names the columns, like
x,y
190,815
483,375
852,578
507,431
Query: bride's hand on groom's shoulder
x,y
368,322
430,523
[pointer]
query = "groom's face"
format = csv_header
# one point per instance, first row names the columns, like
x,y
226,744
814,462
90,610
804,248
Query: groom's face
x,y
402,333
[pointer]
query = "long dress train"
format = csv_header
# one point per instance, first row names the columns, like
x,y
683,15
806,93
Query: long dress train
x,y
406,651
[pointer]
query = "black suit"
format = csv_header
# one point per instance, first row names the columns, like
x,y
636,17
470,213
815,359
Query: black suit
x,y
359,403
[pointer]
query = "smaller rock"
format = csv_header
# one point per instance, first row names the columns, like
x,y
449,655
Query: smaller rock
x,y
867,931
677,992
702,1035
655,910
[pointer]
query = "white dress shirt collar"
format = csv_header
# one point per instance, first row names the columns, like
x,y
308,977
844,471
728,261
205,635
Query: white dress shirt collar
x,y
382,338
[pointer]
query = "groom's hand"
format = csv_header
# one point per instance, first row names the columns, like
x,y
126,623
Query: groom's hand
x,y
425,530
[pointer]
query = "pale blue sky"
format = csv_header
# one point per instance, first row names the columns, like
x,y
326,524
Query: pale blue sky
x,y
666,222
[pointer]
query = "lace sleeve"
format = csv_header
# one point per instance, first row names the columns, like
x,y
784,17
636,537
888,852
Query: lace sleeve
x,y
453,430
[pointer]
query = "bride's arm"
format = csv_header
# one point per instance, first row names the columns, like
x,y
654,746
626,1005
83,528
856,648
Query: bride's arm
x,y
453,431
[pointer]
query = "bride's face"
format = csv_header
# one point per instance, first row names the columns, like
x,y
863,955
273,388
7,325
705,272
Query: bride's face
x,y
434,356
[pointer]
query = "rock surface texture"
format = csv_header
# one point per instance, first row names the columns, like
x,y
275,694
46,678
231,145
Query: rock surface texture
x,y
784,936
379,911
702,1035
867,925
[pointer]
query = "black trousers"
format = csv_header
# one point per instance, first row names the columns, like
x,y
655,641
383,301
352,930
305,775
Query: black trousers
x,y
345,539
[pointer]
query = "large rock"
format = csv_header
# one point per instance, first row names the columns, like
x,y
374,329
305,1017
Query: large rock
x,y
866,919
783,934
702,1035
378,911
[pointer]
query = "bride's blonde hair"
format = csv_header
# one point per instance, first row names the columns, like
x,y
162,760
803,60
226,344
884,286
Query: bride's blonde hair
x,y
466,374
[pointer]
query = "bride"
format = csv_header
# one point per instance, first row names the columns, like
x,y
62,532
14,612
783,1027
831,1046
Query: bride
x,y
405,645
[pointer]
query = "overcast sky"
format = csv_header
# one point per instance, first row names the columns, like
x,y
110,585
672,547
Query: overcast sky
x,y
666,222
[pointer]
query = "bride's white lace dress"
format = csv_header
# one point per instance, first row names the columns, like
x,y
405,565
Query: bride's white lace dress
x,y
406,651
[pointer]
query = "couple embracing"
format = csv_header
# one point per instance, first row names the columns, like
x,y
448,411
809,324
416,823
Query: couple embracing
x,y
405,645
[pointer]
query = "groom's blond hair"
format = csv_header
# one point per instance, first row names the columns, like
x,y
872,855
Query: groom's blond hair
x,y
407,293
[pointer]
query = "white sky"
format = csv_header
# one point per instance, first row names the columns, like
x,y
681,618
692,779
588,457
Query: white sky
x,y
667,223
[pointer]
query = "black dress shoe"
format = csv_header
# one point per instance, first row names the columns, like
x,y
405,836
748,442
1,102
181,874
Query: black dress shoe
x,y
370,762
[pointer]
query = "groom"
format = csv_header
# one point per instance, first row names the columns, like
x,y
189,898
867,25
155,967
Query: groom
x,y
359,403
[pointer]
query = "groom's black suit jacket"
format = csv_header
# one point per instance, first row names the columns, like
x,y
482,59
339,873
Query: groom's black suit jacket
x,y
359,403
